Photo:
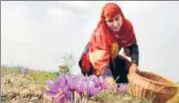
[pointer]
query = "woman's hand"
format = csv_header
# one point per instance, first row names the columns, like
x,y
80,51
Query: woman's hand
x,y
133,68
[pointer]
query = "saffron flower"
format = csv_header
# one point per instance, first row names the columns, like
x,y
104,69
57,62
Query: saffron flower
x,y
64,87
121,88
25,71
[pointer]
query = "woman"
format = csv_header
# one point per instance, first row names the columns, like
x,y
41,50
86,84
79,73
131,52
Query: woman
x,y
101,55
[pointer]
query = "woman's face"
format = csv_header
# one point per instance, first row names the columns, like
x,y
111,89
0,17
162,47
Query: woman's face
x,y
115,23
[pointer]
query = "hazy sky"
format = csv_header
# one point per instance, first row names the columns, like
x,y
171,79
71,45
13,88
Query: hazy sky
x,y
36,34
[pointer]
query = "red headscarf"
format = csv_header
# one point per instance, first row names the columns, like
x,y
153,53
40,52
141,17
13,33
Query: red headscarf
x,y
126,34
102,38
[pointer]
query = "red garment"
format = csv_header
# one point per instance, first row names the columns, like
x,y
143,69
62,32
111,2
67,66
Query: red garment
x,y
102,38
86,65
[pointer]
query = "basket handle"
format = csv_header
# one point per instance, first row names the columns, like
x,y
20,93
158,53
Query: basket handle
x,y
159,89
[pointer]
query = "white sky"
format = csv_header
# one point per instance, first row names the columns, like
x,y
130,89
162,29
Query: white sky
x,y
36,33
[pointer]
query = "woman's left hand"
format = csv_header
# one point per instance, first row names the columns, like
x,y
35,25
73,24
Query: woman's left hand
x,y
133,68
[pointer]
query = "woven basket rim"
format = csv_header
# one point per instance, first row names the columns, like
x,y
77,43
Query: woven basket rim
x,y
168,94
155,89
164,84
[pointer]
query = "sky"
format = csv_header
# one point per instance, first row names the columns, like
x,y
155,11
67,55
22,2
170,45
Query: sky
x,y
36,34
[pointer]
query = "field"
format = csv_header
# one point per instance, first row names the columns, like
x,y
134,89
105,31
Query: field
x,y
16,88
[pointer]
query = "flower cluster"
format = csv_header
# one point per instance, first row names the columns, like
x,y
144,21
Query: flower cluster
x,y
63,88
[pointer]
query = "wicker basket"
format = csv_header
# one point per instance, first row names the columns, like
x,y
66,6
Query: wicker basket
x,y
151,86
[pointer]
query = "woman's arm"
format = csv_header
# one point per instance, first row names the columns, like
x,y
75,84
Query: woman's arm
x,y
134,53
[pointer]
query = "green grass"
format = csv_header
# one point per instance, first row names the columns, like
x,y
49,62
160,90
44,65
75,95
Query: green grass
x,y
10,69
38,76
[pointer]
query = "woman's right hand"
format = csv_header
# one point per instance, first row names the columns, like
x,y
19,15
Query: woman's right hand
x,y
133,68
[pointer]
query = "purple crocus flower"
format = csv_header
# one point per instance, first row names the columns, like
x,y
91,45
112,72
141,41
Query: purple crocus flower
x,y
76,84
92,90
93,78
64,86
25,71
63,82
59,87
121,88
101,82
73,82
53,88
90,85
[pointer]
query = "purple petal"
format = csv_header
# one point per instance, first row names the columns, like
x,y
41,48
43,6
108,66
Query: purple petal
x,y
62,99
92,90
101,79
73,82
103,83
93,78
121,88
82,85
62,81
25,71
50,93
68,94
53,86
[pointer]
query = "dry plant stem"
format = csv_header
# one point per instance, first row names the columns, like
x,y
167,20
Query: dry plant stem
x,y
73,97
58,96
56,99
83,99
87,99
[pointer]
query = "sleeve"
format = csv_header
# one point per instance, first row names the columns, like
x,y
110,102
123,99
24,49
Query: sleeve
x,y
134,53
84,63
99,51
